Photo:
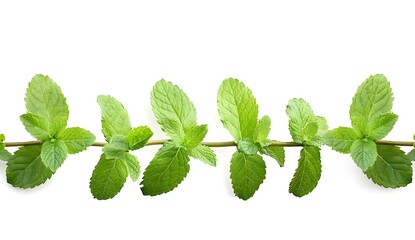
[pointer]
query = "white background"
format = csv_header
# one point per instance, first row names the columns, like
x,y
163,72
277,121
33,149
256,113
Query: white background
x,y
317,50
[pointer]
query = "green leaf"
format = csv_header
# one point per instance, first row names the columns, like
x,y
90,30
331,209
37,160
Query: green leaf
x,y
303,124
323,128
166,171
341,139
247,174
117,147
25,168
411,155
138,137
54,153
77,139
133,166
108,178
203,153
238,109
364,153
115,118
308,172
372,99
392,168
45,99
262,129
4,154
247,146
36,126
276,152
381,126
194,136
173,109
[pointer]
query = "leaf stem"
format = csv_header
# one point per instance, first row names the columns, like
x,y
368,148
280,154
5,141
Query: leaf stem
x,y
212,144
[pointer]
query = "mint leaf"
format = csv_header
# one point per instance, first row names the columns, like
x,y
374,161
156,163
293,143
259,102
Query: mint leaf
x,y
364,153
238,109
247,146
4,154
166,171
308,172
194,136
323,128
203,153
25,168
133,166
262,129
54,153
36,126
77,139
372,99
341,139
247,174
173,109
276,152
138,137
411,155
381,126
115,118
108,178
392,168
303,124
117,147
44,99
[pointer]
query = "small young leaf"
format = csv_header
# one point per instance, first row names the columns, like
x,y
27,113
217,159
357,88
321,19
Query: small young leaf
x,y
115,118
411,155
194,136
4,154
133,166
204,154
308,172
117,147
53,153
44,99
25,168
364,153
77,139
166,171
276,152
246,146
303,124
381,126
372,99
340,139
392,168
323,128
36,126
108,178
173,109
238,109
247,174
138,137
262,129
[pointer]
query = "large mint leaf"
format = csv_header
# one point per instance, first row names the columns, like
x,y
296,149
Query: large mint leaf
x,y
108,178
372,99
238,109
166,171
247,174
392,168
115,118
173,109
308,172
44,99
25,168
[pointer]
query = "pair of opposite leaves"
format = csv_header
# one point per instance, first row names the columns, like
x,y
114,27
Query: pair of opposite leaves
x,y
47,117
